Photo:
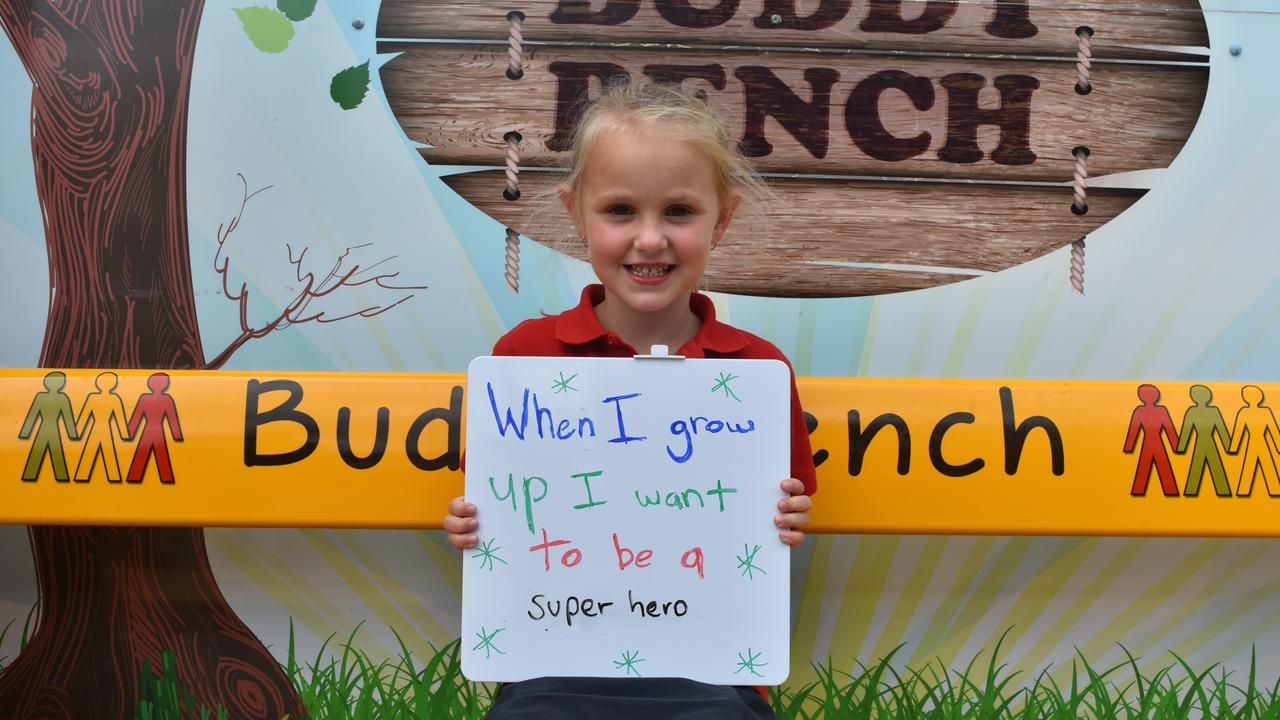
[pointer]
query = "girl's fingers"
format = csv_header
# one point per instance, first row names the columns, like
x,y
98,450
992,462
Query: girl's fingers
x,y
460,507
791,537
462,541
795,503
794,512
460,525
454,524
795,521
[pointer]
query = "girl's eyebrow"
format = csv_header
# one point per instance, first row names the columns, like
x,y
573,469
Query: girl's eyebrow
x,y
676,194
610,196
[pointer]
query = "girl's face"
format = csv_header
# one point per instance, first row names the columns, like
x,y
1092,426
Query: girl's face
x,y
649,211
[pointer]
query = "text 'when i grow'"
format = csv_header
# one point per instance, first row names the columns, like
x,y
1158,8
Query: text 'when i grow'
x,y
530,420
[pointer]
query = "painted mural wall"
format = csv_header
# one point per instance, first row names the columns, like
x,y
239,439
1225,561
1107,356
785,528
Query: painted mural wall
x,y
329,197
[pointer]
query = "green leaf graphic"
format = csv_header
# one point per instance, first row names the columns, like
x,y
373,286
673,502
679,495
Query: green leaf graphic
x,y
269,30
296,10
349,86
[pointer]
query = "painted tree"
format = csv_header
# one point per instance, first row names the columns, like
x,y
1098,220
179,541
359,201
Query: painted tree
x,y
111,82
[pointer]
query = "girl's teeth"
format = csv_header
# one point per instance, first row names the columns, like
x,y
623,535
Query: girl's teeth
x,y
650,271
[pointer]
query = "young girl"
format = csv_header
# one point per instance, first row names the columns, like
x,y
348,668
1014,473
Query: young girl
x,y
654,182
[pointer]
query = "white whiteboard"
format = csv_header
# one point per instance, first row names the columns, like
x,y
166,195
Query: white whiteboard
x,y
678,455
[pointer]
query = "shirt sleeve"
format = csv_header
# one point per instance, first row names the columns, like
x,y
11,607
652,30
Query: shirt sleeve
x,y
802,467
505,346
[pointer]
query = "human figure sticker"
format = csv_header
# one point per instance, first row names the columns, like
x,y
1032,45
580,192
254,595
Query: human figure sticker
x,y
1255,436
626,519
98,429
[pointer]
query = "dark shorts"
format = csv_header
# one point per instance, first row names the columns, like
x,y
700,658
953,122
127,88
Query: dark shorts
x,y
554,698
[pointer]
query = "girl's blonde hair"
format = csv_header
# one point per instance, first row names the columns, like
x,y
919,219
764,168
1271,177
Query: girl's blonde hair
x,y
673,113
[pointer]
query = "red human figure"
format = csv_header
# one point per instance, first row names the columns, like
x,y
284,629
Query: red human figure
x,y
154,407
1151,419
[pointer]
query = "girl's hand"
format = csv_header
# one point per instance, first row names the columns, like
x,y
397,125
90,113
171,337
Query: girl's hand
x,y
460,524
793,512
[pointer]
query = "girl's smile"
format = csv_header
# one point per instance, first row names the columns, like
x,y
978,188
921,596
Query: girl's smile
x,y
650,213
649,273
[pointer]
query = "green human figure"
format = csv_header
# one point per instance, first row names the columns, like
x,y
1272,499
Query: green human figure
x,y
100,410
1204,420
48,408
1257,423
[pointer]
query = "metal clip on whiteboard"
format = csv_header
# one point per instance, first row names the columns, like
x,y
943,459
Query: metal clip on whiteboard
x,y
659,352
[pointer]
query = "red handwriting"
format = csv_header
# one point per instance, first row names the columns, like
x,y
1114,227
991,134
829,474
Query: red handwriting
x,y
627,557
692,559
568,558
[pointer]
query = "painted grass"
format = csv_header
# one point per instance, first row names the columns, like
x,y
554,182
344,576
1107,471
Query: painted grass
x,y
347,684
165,697
22,639
353,685
990,692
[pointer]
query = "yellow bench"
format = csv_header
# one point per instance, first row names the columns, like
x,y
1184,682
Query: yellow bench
x,y
297,449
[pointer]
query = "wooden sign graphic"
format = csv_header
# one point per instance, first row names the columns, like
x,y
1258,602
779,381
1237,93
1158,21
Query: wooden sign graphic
x,y
1129,29
834,114
1023,94
626,519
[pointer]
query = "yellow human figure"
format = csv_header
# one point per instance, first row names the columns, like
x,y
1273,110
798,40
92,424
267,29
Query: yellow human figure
x,y
1256,422
99,411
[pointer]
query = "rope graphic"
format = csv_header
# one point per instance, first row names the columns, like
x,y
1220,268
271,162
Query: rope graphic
x,y
1079,206
512,191
1084,55
1080,201
1077,266
513,260
515,37
515,71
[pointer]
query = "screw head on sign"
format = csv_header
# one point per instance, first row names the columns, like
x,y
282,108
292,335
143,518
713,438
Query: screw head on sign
x,y
1236,49
358,23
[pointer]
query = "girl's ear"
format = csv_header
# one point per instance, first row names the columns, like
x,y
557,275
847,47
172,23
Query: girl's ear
x,y
726,216
570,207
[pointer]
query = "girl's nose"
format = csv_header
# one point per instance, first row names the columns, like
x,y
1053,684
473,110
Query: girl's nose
x,y
650,236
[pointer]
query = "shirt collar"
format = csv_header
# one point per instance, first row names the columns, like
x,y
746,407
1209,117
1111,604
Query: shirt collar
x,y
579,325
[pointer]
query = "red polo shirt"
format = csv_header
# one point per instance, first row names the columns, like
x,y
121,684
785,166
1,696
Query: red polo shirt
x,y
577,332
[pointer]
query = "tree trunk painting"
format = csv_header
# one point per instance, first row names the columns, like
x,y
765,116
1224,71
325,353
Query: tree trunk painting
x,y
109,132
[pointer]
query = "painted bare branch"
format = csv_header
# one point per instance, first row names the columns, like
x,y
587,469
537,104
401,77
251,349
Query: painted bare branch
x,y
345,272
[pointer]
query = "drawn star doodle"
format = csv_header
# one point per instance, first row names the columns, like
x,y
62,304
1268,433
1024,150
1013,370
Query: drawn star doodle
x,y
628,662
750,663
486,642
488,553
722,383
747,562
562,385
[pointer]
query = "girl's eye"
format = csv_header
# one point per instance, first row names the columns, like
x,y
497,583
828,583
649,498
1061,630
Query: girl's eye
x,y
680,211
618,210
